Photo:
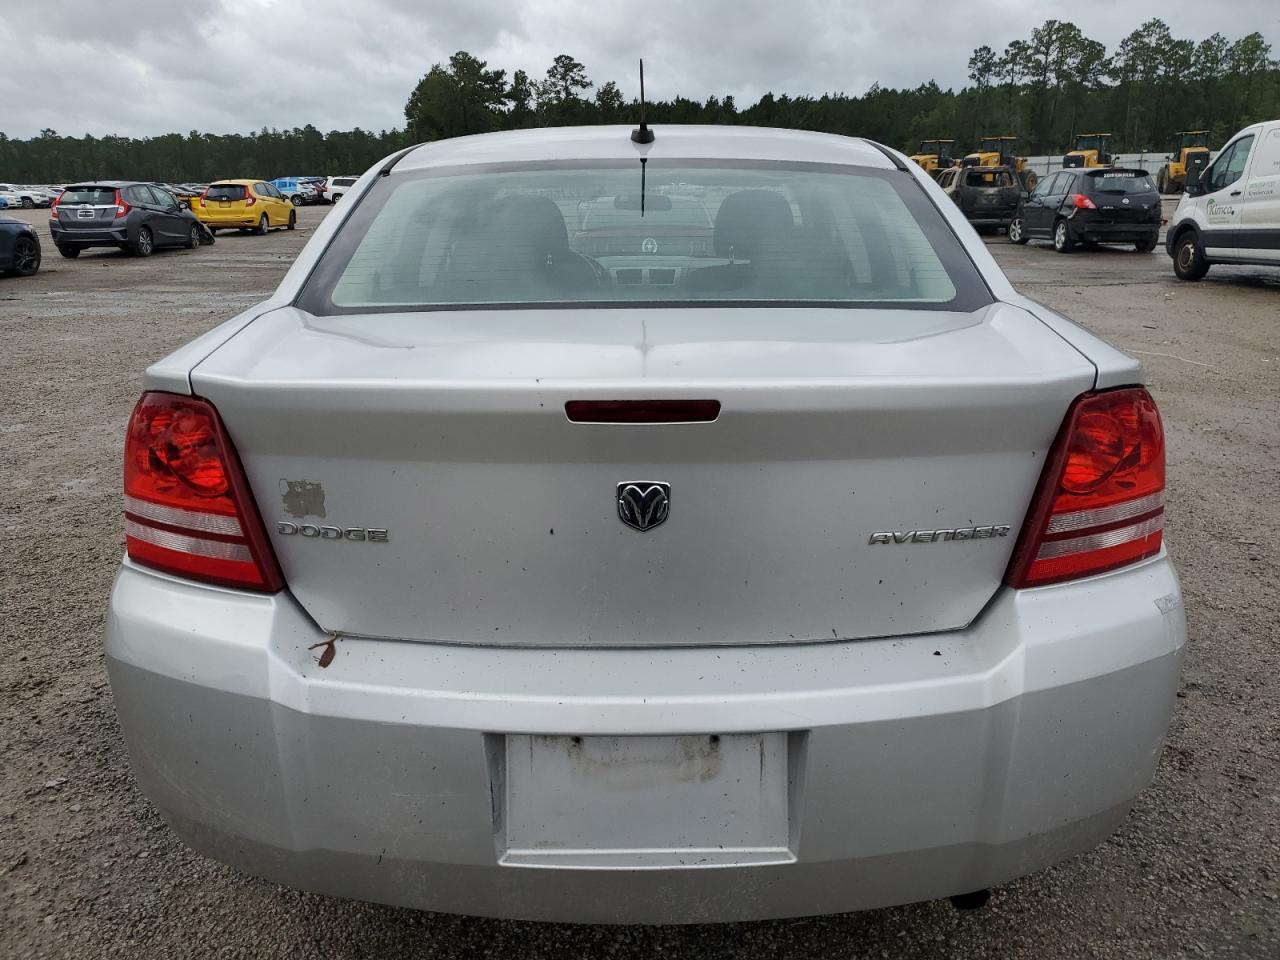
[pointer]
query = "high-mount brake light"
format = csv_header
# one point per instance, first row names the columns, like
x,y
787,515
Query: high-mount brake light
x,y
188,507
1100,501
642,411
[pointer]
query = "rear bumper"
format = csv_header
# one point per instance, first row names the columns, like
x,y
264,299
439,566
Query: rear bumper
x,y
915,774
213,219
1112,232
990,218
97,237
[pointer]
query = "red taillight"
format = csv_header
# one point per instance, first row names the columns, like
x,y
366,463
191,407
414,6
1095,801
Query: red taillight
x,y
249,198
188,509
1100,502
1081,202
204,195
122,208
54,205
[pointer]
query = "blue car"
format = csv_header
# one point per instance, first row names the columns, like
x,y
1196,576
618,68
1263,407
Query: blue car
x,y
299,189
3,203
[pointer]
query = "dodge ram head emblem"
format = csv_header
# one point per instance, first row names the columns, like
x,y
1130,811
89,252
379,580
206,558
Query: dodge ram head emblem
x,y
643,504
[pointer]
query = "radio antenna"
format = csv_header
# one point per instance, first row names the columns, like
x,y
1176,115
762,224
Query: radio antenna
x,y
642,134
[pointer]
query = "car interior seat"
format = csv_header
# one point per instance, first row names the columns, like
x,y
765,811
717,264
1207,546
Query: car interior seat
x,y
519,250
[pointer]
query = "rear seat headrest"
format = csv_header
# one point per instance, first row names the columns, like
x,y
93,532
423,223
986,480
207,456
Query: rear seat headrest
x,y
750,220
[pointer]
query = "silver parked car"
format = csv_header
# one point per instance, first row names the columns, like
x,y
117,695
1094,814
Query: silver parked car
x,y
592,530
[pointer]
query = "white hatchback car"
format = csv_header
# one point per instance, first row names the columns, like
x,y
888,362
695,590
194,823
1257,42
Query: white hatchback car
x,y
517,560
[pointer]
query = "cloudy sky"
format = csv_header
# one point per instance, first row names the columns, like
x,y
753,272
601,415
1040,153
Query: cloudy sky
x,y
138,67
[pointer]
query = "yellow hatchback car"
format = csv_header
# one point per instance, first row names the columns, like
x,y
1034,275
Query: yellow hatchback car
x,y
244,205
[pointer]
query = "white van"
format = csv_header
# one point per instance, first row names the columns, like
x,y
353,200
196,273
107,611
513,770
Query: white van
x,y
1233,214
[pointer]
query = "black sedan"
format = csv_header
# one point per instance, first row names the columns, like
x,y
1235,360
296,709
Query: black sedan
x,y
19,247
1097,205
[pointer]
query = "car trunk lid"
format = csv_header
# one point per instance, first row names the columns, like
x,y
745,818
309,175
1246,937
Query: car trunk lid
x,y
87,207
225,200
1124,196
448,430
988,192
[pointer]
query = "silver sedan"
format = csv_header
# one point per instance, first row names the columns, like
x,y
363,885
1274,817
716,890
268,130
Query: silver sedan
x,y
602,531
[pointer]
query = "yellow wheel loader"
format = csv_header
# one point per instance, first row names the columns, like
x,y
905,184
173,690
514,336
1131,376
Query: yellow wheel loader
x,y
1190,152
934,155
1090,150
998,152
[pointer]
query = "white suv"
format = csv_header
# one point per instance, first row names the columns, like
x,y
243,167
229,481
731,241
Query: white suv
x,y
27,197
1233,214
335,187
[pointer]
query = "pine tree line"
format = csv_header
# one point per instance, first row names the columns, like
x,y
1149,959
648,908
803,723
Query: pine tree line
x,y
1044,89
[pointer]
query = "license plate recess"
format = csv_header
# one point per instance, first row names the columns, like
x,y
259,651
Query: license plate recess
x,y
644,802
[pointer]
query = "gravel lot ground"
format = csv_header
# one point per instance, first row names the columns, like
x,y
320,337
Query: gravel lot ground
x,y
88,868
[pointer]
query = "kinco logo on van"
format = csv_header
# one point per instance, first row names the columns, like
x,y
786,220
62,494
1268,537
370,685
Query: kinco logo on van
x,y
1214,209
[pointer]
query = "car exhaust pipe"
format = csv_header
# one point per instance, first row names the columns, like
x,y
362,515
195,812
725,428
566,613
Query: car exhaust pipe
x,y
971,901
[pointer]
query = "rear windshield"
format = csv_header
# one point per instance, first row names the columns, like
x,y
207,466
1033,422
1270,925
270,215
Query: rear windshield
x,y
1115,181
344,181
226,191
591,233
989,178
91,195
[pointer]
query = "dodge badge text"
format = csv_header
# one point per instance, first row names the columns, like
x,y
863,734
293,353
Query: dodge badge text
x,y
372,534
